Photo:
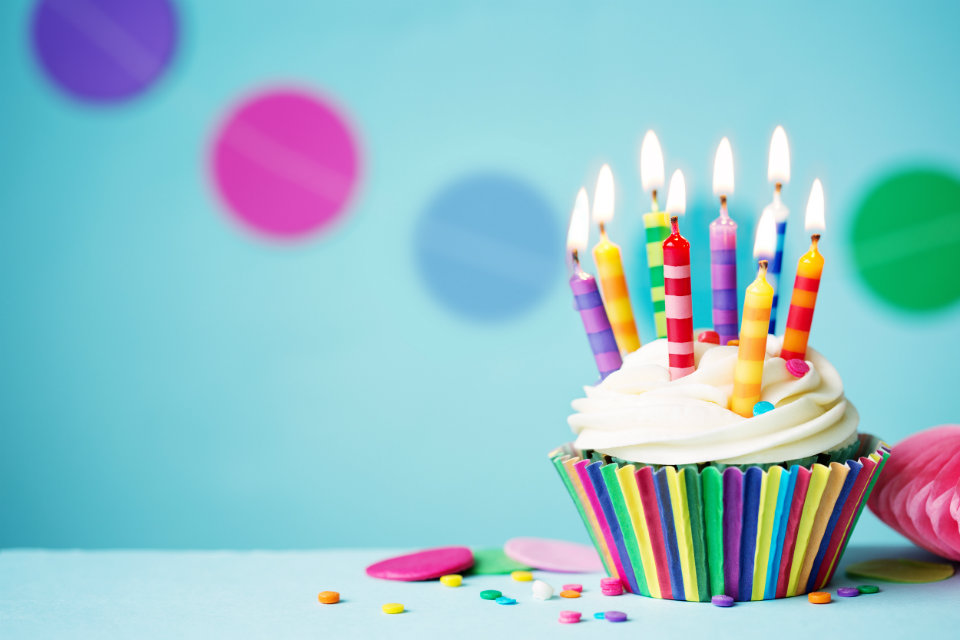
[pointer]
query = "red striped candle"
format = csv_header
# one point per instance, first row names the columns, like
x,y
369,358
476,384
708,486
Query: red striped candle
x,y
805,287
679,305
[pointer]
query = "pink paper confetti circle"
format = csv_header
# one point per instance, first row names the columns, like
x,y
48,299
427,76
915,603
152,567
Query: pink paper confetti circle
x,y
286,163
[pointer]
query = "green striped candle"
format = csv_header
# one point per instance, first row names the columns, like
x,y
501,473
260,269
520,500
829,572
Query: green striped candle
x,y
657,225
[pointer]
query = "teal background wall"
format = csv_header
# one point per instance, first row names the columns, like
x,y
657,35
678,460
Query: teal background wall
x,y
171,378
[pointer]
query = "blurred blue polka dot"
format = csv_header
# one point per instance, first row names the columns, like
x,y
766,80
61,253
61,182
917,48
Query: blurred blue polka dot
x,y
488,246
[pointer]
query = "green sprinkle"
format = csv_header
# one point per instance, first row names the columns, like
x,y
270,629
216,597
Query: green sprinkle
x,y
868,588
490,594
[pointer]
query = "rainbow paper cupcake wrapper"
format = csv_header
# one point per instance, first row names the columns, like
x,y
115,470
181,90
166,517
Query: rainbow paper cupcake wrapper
x,y
690,533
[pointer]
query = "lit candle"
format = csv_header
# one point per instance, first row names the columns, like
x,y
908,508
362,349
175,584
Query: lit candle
x,y
748,370
676,275
606,255
657,225
807,284
723,249
586,296
778,172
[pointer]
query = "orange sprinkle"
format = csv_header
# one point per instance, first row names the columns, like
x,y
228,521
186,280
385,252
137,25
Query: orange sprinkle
x,y
329,597
819,597
570,593
733,343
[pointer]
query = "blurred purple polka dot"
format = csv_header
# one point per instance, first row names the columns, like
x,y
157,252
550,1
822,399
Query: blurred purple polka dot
x,y
104,50
286,163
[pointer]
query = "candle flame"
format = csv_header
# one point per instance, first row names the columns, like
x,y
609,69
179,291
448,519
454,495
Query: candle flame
x,y
723,169
814,218
778,165
603,196
677,194
579,231
766,242
651,162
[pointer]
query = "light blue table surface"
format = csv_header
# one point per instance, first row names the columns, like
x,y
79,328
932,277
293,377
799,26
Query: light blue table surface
x,y
273,594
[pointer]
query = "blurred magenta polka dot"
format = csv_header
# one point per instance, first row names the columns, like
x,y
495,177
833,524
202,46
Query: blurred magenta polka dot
x,y
286,163
489,246
104,50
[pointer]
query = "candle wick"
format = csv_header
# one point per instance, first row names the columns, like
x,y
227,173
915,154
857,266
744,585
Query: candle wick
x,y
777,187
763,267
723,201
603,231
576,257
656,207
815,240
675,224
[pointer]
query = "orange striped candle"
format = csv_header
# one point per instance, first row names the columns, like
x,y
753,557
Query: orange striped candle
x,y
807,283
613,282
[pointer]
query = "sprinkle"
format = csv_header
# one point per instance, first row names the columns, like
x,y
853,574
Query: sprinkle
x,y
392,607
569,617
847,592
505,600
542,590
599,615
490,594
521,576
615,616
797,367
611,587
569,593
819,597
451,580
733,343
709,336
722,601
868,588
573,587
762,407
329,597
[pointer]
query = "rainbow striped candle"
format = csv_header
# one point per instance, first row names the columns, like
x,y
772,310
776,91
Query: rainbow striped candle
x,y
613,282
807,283
586,295
778,172
723,249
656,225
748,370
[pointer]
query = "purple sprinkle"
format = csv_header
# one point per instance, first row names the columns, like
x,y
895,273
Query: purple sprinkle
x,y
848,592
722,601
615,616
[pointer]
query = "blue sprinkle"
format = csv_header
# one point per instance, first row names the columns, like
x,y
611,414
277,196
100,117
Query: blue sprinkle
x,y
762,407
505,600
598,615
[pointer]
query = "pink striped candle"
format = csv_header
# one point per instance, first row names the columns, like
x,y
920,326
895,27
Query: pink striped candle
x,y
679,304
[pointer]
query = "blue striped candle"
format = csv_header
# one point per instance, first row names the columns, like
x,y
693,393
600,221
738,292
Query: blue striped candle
x,y
779,213
587,301
723,275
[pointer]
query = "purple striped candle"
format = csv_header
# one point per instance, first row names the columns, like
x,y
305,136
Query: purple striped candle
x,y
723,275
587,301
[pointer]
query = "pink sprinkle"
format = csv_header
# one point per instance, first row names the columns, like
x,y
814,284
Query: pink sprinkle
x,y
569,617
797,367
573,587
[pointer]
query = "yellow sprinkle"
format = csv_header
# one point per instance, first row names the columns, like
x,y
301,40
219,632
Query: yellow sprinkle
x,y
522,576
452,580
392,607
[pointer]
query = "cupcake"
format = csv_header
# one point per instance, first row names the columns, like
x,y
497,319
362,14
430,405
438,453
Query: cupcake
x,y
685,499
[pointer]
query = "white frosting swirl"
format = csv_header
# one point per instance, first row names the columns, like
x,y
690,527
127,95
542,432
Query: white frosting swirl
x,y
639,414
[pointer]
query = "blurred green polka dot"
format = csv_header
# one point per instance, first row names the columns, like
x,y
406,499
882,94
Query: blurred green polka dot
x,y
906,239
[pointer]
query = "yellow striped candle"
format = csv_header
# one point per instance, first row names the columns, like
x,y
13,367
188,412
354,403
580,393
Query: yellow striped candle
x,y
613,282
748,370
656,224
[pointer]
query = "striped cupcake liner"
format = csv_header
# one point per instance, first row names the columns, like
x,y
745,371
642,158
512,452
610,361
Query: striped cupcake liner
x,y
689,533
